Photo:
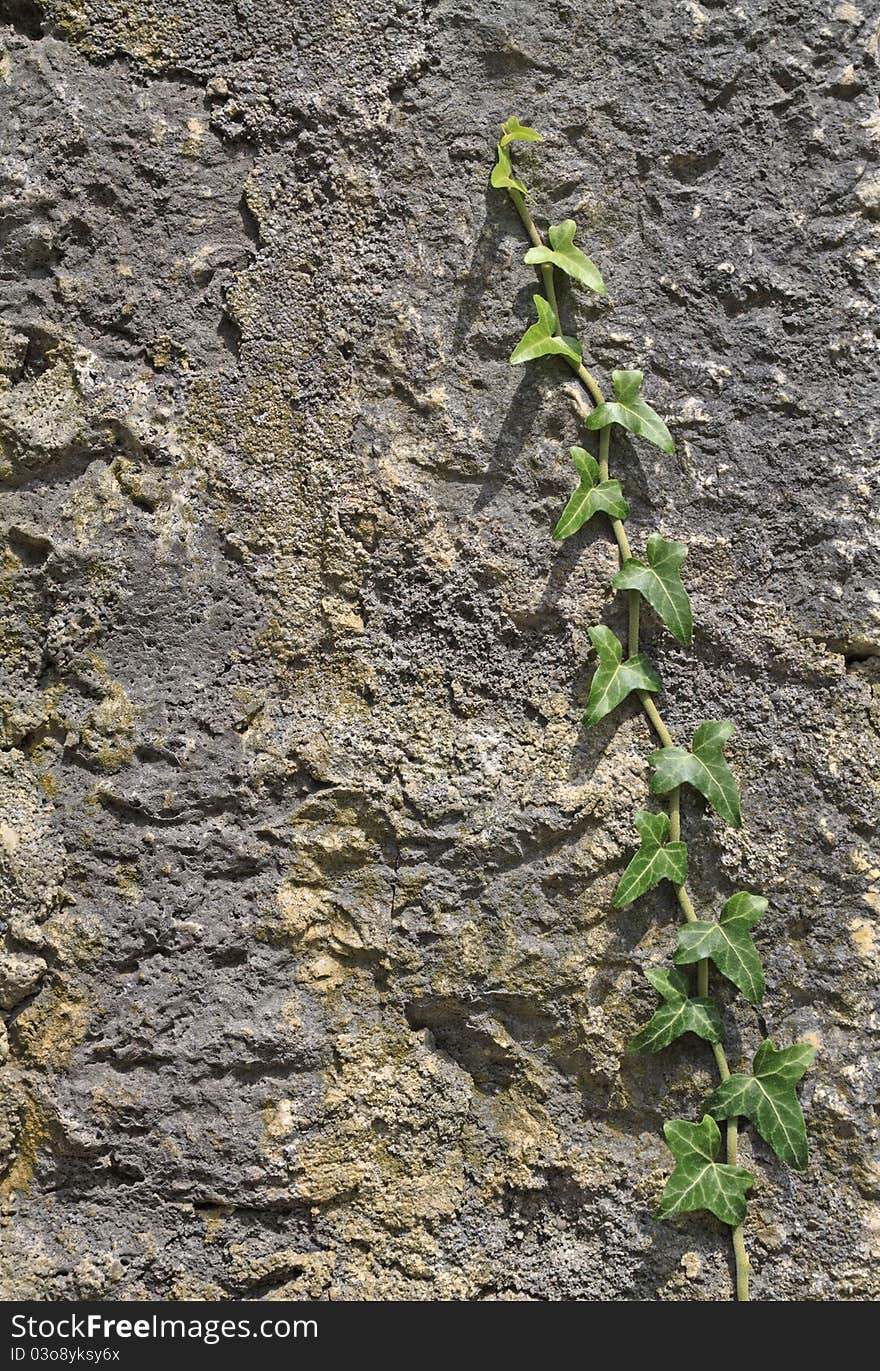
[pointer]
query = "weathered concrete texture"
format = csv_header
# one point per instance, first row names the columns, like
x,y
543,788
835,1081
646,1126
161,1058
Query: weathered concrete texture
x,y
311,981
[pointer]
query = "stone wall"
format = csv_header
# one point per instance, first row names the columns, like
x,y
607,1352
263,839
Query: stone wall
x,y
312,983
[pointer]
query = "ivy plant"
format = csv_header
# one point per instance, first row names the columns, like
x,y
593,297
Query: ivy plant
x,y
701,1178
593,496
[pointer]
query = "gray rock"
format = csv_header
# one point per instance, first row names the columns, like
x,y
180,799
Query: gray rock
x,y
296,801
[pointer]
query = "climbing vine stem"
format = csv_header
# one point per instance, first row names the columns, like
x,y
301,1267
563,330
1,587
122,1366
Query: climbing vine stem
x,y
766,1096
655,718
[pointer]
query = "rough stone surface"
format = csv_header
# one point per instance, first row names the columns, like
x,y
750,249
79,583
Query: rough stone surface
x,y
306,857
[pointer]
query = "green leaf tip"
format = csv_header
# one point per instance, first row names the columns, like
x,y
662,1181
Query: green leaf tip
x,y
591,497
677,1015
542,339
563,254
659,582
728,943
630,411
699,1181
768,1099
614,679
704,767
656,860
502,177
513,131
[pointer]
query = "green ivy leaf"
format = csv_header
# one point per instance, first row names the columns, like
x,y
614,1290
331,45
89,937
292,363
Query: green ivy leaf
x,y
656,860
632,412
678,1014
513,131
660,584
668,981
729,944
768,1099
502,177
591,497
704,767
614,679
699,1181
542,339
563,254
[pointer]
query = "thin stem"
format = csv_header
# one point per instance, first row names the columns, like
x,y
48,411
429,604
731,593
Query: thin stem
x,y
538,242
528,222
592,387
589,382
741,1257
633,641
674,803
594,391
657,723
620,535
687,906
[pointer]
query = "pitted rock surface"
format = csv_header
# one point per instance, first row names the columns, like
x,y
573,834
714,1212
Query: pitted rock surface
x,y
311,982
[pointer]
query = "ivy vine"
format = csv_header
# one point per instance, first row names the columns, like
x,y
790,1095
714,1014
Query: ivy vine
x,y
766,1096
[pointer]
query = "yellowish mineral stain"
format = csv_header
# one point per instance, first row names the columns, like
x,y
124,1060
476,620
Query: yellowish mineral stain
x,y
529,1134
872,1228
289,1274
146,31
108,730
48,783
278,1118
324,973
300,908
195,136
291,1018
865,863
215,1219
75,938
32,1135
127,883
186,1287
50,1028
864,935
